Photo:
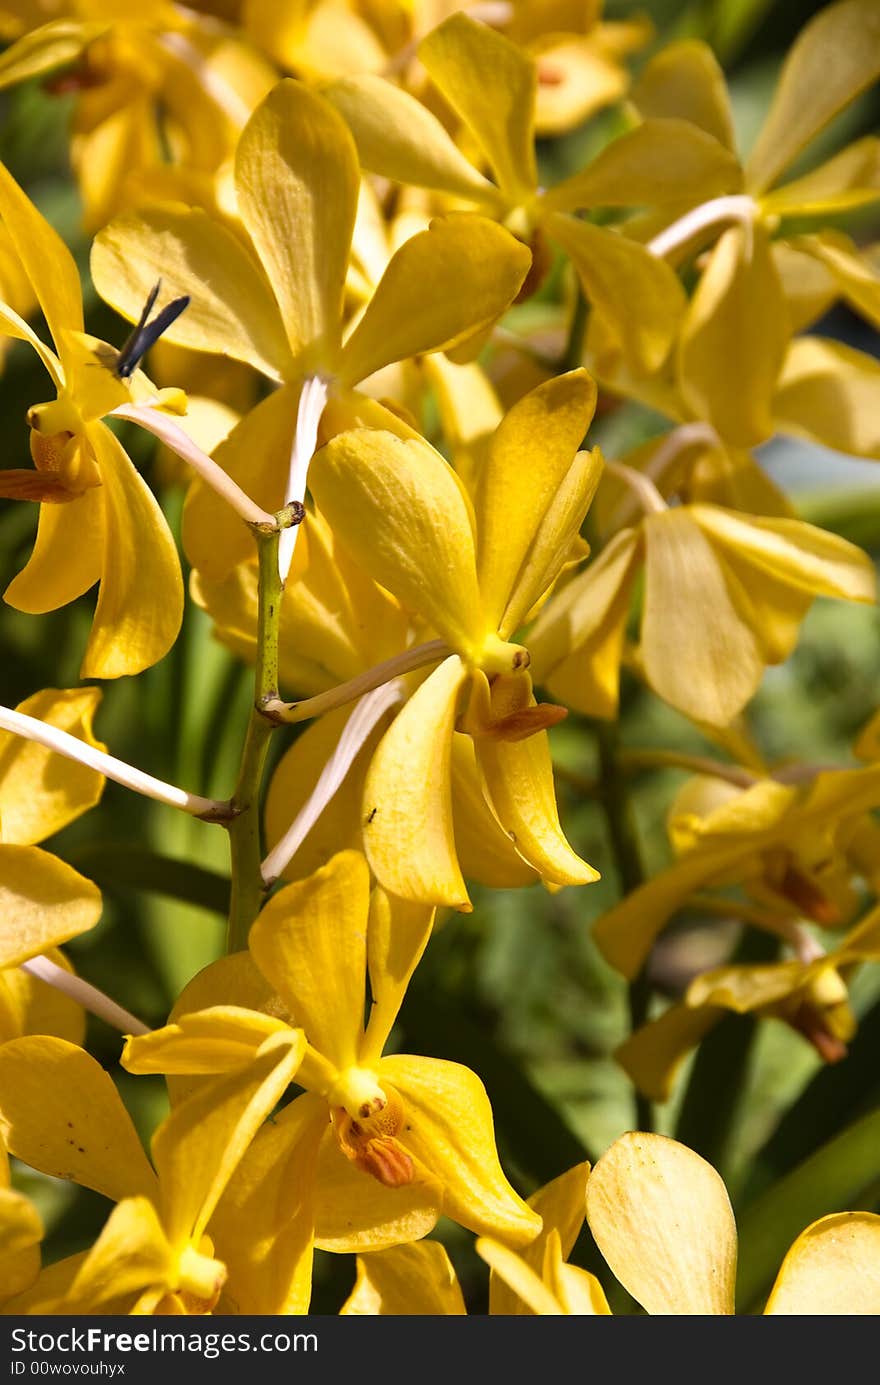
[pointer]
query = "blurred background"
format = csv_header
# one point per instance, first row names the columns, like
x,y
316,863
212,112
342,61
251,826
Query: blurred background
x,y
516,989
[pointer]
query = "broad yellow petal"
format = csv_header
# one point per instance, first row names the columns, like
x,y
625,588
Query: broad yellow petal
x,y
41,1008
355,1212
46,259
562,1208
662,160
653,1054
826,394
397,935
310,942
662,1219
529,455
40,791
140,600
231,309
407,1280
407,807
296,180
834,57
491,85
399,138
43,902
131,1254
485,851
60,1113
697,652
221,1038
20,1234
734,337
402,512
518,1277
519,781
66,558
685,81
832,1269
450,1132
475,269
640,298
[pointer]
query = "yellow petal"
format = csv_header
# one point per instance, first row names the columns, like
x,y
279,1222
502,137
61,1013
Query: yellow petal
x,y
697,652
640,298
808,286
832,1269
579,1292
296,180
221,1038
529,455
399,138
686,82
854,274
417,1279
53,45
20,1233
834,57
60,1113
519,1278
561,1206
850,179
450,1132
734,339
556,537
140,600
40,791
475,269
310,943
826,393
652,1055
402,512
491,85
41,1008
407,807
745,988
484,850
196,1149
810,558
661,1217
11,325
661,160
397,935
131,1254
519,781
231,309
46,259
43,902
67,555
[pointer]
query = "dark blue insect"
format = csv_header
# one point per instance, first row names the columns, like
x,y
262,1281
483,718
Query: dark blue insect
x,y
146,334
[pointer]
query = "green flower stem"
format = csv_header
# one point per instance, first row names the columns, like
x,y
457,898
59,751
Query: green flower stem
x,y
245,841
614,795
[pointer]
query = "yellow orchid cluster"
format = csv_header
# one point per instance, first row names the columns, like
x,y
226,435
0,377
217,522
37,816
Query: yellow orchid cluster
x,y
401,324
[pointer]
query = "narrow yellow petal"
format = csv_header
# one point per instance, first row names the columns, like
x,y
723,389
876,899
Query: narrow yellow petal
x,y
562,1208
653,1054
848,180
529,455
67,555
832,1269
662,1219
734,338
54,45
579,1292
231,308
46,259
43,902
310,942
397,935
131,1254
450,1133
490,84
834,57
475,269
408,1280
485,852
685,81
407,806
221,1038
296,180
61,1113
826,393
140,600
855,275
519,781
519,1278
403,514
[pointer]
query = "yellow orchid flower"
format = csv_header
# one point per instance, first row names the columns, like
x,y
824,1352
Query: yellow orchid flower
x,y
21,1231
99,522
662,1219
420,1279
277,303
473,575
378,1147
43,901
724,596
794,848
810,994
491,85
60,1113
152,82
